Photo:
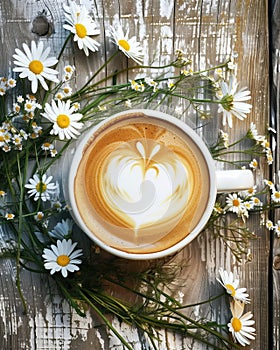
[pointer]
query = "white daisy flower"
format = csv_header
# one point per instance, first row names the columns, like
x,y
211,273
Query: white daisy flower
x,y
57,205
76,106
269,157
2,90
2,193
231,285
82,26
23,134
248,193
53,152
234,204
256,201
128,103
170,83
151,83
254,164
249,205
11,83
224,137
30,106
277,228
253,132
269,183
59,96
62,257
39,216
41,187
9,216
67,90
17,139
62,229
20,99
240,325
16,108
65,120
129,46
35,65
46,146
137,87
69,70
269,225
232,101
275,197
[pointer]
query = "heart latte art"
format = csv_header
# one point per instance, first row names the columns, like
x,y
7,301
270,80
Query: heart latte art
x,y
140,185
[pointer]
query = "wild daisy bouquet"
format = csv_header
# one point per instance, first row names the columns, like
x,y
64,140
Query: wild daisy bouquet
x,y
43,113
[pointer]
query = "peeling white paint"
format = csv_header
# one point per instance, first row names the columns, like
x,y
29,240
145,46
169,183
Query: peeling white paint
x,y
101,341
166,8
57,326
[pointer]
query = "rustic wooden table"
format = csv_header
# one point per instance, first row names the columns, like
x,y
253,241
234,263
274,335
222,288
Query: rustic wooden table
x,y
209,30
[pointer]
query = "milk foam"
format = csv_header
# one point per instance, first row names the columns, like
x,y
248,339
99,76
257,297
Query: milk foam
x,y
144,183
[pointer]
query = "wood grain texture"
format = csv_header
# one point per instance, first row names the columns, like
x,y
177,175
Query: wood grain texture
x,y
275,118
209,31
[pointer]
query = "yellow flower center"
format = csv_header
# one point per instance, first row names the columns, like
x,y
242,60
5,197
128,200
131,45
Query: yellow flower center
x,y
63,260
124,44
63,121
277,195
236,324
40,216
41,187
227,102
28,106
81,30
36,66
235,203
46,144
231,289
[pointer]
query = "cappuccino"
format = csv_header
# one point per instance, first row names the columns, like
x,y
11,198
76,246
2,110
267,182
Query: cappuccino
x,y
142,184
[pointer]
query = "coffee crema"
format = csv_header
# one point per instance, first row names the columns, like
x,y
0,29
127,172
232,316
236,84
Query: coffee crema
x,y
142,184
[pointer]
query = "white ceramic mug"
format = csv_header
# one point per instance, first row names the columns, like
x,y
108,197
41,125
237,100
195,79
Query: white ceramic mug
x,y
121,174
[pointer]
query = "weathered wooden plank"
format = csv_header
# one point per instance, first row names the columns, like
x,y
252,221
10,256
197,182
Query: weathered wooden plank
x,y
275,116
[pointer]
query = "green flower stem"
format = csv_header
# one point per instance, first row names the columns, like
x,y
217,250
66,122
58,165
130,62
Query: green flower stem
x,y
224,64
172,310
8,178
250,151
86,88
3,106
63,48
195,100
238,163
102,316
133,317
100,69
22,178
59,154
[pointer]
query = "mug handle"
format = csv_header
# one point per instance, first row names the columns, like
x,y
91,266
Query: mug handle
x,y
234,180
